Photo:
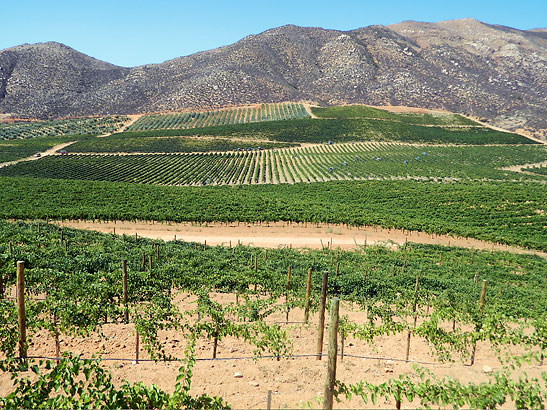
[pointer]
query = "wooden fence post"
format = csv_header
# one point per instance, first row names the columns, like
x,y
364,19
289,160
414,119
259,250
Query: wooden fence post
x,y
137,347
21,309
308,294
481,307
333,353
414,310
56,335
321,327
125,295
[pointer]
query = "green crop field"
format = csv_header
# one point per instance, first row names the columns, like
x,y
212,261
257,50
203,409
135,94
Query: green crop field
x,y
264,112
316,163
75,126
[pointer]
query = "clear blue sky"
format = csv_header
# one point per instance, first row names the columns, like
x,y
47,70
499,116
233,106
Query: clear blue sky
x,y
130,33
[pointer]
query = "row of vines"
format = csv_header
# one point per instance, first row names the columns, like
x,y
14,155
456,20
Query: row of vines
x,y
74,283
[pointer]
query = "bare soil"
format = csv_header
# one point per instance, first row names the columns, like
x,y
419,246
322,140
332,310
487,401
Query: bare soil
x,y
293,381
276,234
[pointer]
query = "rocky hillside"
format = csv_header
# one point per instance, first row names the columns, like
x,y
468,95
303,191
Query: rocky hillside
x,y
488,71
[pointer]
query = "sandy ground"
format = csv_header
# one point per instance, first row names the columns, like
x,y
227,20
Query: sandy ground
x,y
293,381
273,235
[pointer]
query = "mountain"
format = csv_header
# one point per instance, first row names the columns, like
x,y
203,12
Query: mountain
x,y
466,66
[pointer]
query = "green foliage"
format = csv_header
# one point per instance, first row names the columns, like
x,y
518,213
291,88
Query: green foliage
x,y
82,383
363,111
526,393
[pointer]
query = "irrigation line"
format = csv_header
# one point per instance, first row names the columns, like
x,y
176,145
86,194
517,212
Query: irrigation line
x,y
112,359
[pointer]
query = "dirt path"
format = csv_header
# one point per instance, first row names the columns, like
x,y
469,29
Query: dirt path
x,y
50,151
273,235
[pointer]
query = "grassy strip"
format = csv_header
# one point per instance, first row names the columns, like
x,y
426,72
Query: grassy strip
x,y
511,213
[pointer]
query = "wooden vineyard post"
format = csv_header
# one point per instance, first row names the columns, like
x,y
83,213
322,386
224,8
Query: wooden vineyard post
x,y
143,263
136,346
481,307
308,294
414,309
332,354
215,342
125,296
150,262
56,335
136,237
21,309
269,400
10,248
157,252
287,293
321,327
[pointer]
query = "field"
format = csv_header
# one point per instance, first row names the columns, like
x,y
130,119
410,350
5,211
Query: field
x,y
425,173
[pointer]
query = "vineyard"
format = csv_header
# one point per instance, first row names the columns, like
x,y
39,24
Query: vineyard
x,y
230,324
505,212
75,126
208,298
263,112
316,163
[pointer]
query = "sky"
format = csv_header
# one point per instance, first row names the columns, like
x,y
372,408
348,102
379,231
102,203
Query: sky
x,y
131,33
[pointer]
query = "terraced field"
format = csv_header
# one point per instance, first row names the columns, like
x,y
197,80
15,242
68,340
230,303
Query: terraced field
x,y
244,115
313,163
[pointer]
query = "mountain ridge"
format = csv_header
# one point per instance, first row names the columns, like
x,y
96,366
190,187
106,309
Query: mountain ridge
x,y
494,72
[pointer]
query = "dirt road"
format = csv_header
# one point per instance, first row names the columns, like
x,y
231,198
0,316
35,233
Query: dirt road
x,y
274,235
